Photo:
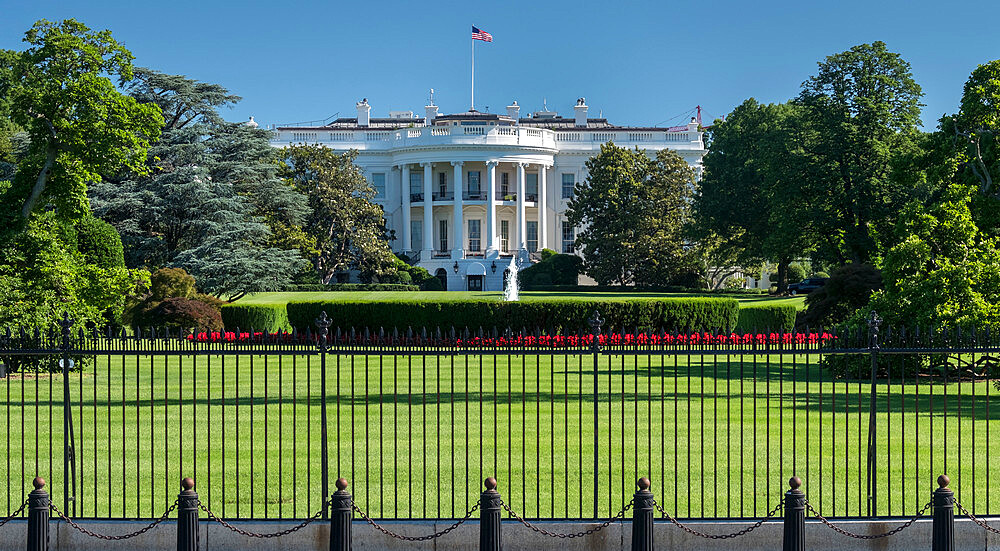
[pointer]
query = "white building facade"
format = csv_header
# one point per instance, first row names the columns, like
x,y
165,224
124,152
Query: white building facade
x,y
464,194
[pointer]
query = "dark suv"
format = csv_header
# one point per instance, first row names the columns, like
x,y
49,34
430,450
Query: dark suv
x,y
806,286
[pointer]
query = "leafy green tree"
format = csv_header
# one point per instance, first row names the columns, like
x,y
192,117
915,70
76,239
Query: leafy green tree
x,y
632,209
755,202
349,229
60,90
210,199
862,105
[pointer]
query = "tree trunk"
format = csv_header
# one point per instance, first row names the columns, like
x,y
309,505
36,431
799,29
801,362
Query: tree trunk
x,y
43,177
783,275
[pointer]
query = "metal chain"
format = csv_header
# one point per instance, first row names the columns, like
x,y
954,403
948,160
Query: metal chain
x,y
307,522
544,532
435,535
742,532
843,532
973,518
83,530
15,513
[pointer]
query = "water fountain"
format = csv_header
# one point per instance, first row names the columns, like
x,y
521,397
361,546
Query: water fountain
x,y
511,292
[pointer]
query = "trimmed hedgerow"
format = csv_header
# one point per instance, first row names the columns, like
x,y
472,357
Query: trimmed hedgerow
x,y
683,314
352,287
766,318
263,317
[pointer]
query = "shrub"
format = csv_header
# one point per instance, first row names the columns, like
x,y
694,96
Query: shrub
x,y
554,269
263,317
698,314
404,278
351,287
859,366
432,284
419,275
171,283
100,243
821,274
766,318
183,313
689,279
796,272
848,289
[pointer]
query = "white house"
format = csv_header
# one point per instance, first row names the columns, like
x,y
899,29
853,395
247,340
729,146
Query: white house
x,y
465,193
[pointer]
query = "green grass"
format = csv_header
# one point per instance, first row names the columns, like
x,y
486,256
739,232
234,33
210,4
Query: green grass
x,y
282,298
416,435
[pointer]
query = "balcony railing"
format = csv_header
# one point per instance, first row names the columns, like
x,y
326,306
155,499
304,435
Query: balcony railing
x,y
443,196
474,195
506,196
416,197
531,197
474,253
442,254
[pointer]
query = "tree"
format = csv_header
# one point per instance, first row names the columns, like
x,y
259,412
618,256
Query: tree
x,y
79,124
348,228
210,200
755,202
862,105
632,210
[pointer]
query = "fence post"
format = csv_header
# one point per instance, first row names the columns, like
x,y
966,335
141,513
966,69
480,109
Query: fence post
x,y
642,517
69,447
38,516
341,503
874,321
187,517
489,523
794,537
323,322
595,323
944,517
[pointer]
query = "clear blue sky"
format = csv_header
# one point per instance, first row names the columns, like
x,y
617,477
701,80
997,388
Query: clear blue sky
x,y
639,62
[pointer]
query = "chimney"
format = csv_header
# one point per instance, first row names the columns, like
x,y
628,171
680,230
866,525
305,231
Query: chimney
x,y
514,111
580,111
430,113
693,125
363,110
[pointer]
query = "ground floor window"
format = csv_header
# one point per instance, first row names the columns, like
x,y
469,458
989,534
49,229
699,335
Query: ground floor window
x,y
532,238
474,235
504,235
475,283
443,234
416,235
568,238
442,276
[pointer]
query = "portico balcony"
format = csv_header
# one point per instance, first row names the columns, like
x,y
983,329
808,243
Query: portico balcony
x,y
474,195
416,197
506,196
443,195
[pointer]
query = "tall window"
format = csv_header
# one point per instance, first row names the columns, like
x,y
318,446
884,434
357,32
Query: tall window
x,y
416,183
568,181
416,235
504,235
474,183
532,240
443,234
442,183
474,236
505,183
531,185
378,182
568,238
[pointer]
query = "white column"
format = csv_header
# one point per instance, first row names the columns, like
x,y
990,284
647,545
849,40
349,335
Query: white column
x,y
428,211
522,223
406,208
458,246
491,206
543,226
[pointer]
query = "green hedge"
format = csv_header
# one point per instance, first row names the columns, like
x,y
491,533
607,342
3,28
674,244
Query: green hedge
x,y
766,318
264,317
701,314
352,287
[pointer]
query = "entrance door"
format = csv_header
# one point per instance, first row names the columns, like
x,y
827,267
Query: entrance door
x,y
442,276
475,283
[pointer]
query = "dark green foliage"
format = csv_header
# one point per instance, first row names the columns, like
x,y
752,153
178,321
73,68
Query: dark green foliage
x,y
688,279
796,272
848,289
259,317
859,366
699,314
100,243
169,283
432,284
182,313
766,319
352,287
554,269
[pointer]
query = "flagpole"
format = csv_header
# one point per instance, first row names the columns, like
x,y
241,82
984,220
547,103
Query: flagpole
x,y
472,99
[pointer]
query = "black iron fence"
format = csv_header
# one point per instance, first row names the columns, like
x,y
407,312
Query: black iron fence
x,y
113,419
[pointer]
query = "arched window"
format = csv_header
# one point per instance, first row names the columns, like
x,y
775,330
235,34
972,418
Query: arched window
x,y
442,276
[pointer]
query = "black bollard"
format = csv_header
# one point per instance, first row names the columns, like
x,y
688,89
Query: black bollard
x,y
794,538
944,517
38,516
642,517
341,505
489,523
187,517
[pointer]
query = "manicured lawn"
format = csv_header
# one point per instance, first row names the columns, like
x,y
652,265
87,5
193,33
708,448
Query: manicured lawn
x,y
282,298
415,435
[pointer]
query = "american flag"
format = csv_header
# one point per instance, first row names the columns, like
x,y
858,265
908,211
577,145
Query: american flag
x,y
479,34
